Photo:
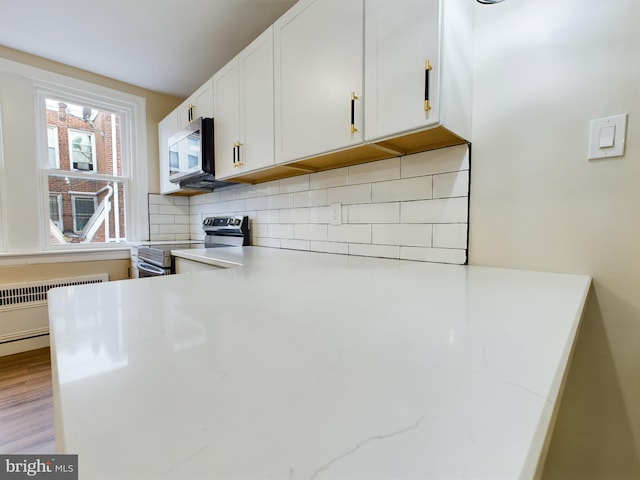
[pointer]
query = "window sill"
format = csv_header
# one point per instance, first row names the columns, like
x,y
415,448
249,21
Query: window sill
x,y
63,256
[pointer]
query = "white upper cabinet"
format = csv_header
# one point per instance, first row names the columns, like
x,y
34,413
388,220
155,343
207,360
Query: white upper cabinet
x,y
198,104
318,55
417,58
166,128
256,103
226,119
243,113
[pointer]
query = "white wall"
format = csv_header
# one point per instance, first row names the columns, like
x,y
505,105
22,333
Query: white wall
x,y
543,70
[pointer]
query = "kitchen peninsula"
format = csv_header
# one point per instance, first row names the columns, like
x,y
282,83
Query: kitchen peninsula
x,y
299,365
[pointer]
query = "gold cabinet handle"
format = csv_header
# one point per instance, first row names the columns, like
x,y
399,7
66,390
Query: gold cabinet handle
x,y
354,97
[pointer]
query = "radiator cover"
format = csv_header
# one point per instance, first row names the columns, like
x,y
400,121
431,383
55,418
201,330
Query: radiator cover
x,y
23,306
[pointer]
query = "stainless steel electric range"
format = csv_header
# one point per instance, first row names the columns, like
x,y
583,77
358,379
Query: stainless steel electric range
x,y
156,260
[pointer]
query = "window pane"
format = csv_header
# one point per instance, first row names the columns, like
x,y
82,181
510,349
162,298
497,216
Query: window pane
x,y
88,139
91,210
81,149
55,213
52,143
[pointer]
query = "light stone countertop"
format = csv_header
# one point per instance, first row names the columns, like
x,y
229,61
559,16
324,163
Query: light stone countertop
x,y
298,365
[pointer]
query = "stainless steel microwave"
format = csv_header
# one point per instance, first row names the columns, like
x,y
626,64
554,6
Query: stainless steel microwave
x,y
191,156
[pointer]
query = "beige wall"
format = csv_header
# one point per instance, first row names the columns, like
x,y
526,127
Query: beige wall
x,y
117,270
158,105
543,70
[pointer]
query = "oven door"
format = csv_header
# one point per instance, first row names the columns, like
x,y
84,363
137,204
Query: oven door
x,y
148,270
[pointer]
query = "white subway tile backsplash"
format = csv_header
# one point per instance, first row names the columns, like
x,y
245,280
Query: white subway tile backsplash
x,y
266,242
320,215
228,194
417,188
454,184
294,184
451,235
329,178
267,188
448,210
280,231
444,160
294,244
438,255
257,203
266,216
350,195
173,209
374,213
173,228
281,201
153,209
294,215
162,237
181,201
412,207
329,247
155,199
310,232
375,171
245,191
162,219
384,251
310,198
417,235
259,229
349,233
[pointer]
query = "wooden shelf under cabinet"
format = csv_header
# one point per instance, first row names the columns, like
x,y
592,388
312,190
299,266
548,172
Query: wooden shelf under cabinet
x,y
432,139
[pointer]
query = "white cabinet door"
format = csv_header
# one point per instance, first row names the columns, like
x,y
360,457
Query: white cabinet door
x,y
166,128
198,104
226,119
318,57
256,103
402,37
243,114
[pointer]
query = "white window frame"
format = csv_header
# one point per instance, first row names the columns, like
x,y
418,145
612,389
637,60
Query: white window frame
x,y
58,197
132,111
92,137
3,203
52,135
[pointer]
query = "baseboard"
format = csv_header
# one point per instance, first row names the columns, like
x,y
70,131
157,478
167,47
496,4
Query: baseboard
x,y
19,346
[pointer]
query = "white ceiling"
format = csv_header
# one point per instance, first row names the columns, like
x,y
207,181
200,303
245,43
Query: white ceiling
x,y
168,46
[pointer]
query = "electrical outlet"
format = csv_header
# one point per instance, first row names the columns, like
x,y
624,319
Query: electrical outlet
x,y
336,214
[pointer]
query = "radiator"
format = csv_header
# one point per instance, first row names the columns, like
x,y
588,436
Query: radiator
x,y
23,306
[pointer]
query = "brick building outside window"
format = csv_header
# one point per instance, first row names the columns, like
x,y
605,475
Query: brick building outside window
x,y
86,197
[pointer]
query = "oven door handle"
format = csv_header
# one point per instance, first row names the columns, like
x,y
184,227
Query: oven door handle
x,y
152,269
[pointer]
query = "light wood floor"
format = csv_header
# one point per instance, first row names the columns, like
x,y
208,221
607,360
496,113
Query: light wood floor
x,y
26,403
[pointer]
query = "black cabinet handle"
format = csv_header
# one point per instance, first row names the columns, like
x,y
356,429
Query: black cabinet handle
x,y
427,69
236,154
354,97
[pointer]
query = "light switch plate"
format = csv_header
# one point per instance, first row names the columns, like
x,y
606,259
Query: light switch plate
x,y
335,214
607,137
